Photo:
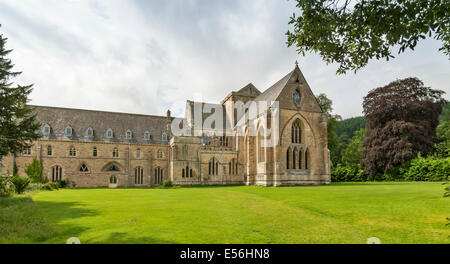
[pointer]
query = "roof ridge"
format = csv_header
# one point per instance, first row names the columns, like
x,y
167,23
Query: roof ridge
x,y
91,110
249,85
276,88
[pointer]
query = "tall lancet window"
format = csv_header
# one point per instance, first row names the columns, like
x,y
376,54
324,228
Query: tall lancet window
x,y
296,132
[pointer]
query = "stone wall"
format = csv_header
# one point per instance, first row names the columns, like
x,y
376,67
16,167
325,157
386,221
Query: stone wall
x,y
98,174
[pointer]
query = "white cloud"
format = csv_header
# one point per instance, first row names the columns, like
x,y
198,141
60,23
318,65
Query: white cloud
x,y
148,56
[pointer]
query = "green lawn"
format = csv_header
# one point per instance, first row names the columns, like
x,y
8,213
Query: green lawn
x,y
338,213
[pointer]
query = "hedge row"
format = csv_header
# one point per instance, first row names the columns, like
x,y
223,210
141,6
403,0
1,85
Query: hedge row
x,y
419,169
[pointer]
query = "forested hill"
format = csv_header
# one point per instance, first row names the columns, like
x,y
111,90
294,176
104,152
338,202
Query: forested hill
x,y
347,127
445,116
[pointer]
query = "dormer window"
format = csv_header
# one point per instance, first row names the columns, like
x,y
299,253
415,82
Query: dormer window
x,y
46,130
164,136
128,134
69,131
89,132
147,135
109,133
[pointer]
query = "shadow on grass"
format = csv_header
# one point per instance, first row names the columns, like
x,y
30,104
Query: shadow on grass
x,y
57,212
21,222
123,238
368,183
24,221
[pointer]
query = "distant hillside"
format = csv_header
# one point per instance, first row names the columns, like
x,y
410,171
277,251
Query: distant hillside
x,y
347,127
445,116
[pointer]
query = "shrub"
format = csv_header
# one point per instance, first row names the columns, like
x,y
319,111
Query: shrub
x,y
34,171
20,183
347,173
428,169
66,184
48,186
63,183
442,149
447,190
6,187
166,184
35,186
55,185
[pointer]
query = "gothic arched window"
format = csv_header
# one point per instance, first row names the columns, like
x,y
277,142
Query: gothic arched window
x,y
158,175
56,173
296,132
300,160
307,158
296,97
294,154
288,157
138,175
187,172
213,167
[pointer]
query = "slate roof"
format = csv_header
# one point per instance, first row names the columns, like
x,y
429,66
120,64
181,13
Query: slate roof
x,y
100,121
272,93
249,89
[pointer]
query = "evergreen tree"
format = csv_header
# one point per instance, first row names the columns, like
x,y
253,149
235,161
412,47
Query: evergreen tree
x,y
18,125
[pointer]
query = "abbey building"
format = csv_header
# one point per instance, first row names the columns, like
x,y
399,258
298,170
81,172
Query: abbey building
x,y
107,149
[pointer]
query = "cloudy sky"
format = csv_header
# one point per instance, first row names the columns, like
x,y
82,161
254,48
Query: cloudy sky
x,y
150,56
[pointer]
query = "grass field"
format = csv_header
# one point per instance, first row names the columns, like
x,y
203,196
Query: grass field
x,y
338,213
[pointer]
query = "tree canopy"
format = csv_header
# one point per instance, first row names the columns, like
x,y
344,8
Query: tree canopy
x,y
402,118
351,155
333,141
18,125
347,127
351,32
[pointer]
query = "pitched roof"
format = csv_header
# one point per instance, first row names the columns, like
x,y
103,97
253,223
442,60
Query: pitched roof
x,y
100,121
272,93
249,89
